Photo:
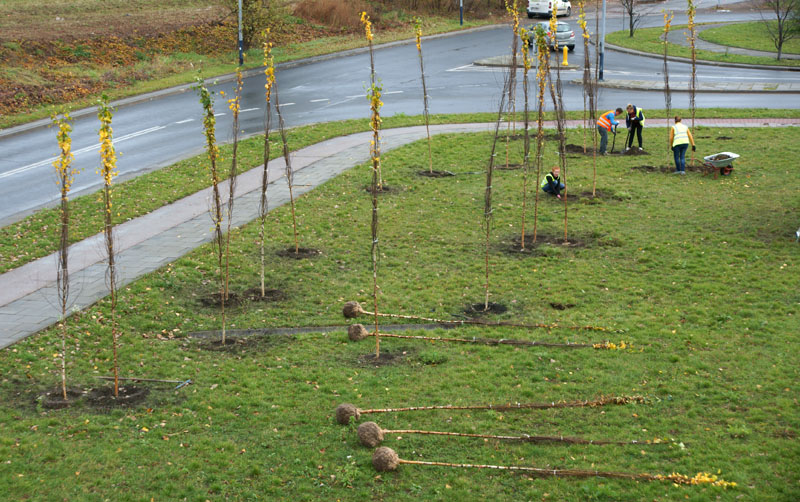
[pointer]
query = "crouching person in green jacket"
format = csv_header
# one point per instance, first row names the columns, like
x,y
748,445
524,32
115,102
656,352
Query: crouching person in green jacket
x,y
552,182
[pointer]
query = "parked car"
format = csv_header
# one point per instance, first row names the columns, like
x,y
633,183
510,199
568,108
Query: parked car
x,y
564,34
545,8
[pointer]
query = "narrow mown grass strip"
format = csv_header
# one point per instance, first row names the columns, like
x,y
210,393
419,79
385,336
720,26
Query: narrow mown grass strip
x,y
649,40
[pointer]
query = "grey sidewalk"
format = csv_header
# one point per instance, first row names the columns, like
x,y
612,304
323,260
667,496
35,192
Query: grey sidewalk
x,y
28,295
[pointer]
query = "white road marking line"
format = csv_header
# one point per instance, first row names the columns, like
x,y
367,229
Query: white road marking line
x,y
184,121
392,92
319,100
219,114
79,151
355,96
286,104
249,110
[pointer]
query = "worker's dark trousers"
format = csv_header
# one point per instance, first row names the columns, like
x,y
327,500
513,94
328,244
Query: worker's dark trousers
x,y
635,127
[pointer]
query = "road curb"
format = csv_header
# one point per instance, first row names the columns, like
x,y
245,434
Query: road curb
x,y
229,77
622,84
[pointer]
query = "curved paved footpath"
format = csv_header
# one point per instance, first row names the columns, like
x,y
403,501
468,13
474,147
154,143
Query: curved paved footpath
x,y
678,37
28,294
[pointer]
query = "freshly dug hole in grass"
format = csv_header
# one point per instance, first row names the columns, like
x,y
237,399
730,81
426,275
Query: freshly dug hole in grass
x,y
54,399
480,309
386,358
572,148
435,174
514,244
129,395
385,189
299,253
214,300
270,295
669,168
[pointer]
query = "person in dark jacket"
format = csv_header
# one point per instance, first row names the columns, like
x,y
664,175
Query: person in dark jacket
x,y
634,121
552,182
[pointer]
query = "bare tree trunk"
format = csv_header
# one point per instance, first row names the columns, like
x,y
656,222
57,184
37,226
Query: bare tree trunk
x,y
487,198
667,92
108,171
65,175
418,22
693,81
263,207
526,64
289,171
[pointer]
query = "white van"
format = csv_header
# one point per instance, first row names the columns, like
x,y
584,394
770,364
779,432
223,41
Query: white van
x,y
545,8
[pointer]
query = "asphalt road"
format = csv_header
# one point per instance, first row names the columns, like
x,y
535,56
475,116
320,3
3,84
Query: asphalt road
x,y
151,134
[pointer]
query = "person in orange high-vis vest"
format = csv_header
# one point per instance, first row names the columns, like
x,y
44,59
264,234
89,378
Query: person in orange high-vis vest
x,y
605,124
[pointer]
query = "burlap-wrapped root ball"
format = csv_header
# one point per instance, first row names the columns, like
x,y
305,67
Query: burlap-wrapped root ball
x,y
345,411
385,459
370,434
357,332
352,309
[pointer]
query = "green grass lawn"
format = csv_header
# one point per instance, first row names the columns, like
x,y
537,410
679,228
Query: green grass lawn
x,y
748,35
701,275
37,235
648,40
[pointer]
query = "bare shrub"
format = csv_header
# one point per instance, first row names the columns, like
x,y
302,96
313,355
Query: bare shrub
x,y
340,13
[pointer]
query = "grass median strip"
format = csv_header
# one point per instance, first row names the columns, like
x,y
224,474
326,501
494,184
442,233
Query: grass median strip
x,y
700,273
649,40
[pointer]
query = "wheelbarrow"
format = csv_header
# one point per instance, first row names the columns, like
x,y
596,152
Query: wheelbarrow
x,y
721,163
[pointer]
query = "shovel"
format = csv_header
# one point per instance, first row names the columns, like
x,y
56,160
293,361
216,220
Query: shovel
x,y
614,142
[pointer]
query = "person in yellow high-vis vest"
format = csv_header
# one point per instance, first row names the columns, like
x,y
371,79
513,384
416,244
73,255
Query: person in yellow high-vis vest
x,y
634,121
679,139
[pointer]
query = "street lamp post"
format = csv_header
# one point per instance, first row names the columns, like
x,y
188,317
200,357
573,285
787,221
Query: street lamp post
x,y
602,43
241,42
461,12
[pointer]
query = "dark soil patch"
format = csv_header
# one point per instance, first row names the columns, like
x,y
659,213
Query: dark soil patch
x,y
634,152
298,254
479,309
515,246
270,295
129,395
509,167
54,399
238,344
598,194
435,174
512,137
382,190
666,169
561,306
215,300
571,148
386,358
724,138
